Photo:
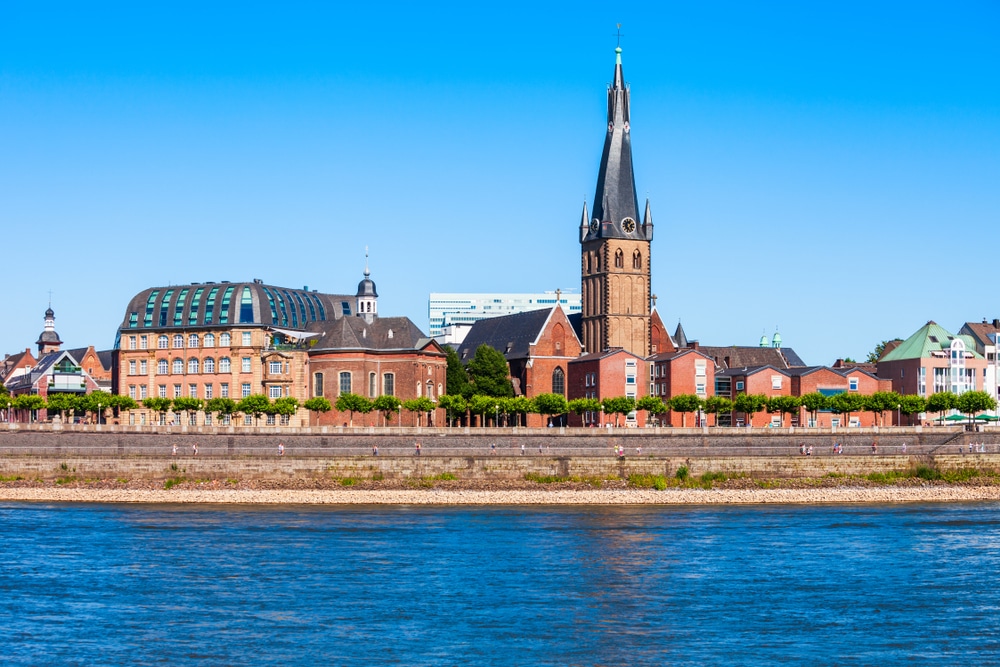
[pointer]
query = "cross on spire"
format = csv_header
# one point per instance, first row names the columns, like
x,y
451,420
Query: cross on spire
x,y
618,35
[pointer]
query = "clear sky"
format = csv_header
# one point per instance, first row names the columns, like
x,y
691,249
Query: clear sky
x,y
829,169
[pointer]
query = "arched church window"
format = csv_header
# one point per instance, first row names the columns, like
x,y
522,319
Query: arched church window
x,y
558,381
636,260
619,259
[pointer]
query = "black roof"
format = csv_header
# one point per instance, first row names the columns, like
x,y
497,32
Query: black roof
x,y
356,333
511,335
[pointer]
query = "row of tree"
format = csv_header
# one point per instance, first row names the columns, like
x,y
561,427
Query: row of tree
x,y
68,406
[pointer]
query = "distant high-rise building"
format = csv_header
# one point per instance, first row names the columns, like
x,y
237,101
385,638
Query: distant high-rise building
x,y
448,310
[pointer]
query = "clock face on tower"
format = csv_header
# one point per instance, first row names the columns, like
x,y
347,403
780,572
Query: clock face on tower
x,y
594,225
628,224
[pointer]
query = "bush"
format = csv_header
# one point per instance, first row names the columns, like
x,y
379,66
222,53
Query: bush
x,y
682,473
658,482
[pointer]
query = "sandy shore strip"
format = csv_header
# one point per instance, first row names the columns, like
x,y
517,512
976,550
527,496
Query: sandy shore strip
x,y
887,494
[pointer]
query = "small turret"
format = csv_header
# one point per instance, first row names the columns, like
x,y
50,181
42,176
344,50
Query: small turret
x,y
367,297
48,340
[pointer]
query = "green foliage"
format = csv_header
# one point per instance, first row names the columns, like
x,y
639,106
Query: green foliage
x,y
318,404
254,405
785,405
351,403
847,403
658,482
388,406
684,403
123,402
223,406
453,404
972,402
618,405
708,478
489,373
750,404
286,405
482,404
457,378
718,404
63,404
653,405
418,406
911,404
580,405
814,402
551,404
188,404
682,473
517,406
157,404
28,402
942,401
173,481
877,353
881,402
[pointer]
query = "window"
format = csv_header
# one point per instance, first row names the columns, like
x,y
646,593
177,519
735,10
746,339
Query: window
x,y
246,338
131,367
209,365
209,340
162,342
193,340
224,365
430,390
143,342
208,419
193,390
274,391
619,259
193,365
739,385
131,391
853,384
178,340
245,388
636,260
372,385
274,367
317,384
699,388
558,381
161,366
143,367
246,307
247,420
161,391
208,391
245,364
177,391
143,392
345,382
285,420
131,342
269,420
224,339
699,368
178,366
389,384
224,390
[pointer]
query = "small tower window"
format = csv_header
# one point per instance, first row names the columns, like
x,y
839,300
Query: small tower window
x,y
636,260
619,259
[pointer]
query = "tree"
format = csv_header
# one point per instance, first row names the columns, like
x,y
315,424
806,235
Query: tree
x,y
942,401
453,404
223,406
653,405
285,406
881,402
814,402
749,405
684,403
318,404
783,405
188,404
457,379
972,402
879,350
489,373
157,405
29,402
551,405
5,401
481,404
120,402
418,406
618,405
61,404
519,406
254,405
718,404
911,404
388,406
351,403
846,403
96,403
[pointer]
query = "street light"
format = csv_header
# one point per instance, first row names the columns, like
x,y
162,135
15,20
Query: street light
x,y
98,413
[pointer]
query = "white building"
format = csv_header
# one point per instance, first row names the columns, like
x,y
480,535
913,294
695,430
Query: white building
x,y
450,310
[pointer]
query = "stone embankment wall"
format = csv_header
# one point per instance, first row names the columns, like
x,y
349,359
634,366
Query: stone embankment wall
x,y
480,454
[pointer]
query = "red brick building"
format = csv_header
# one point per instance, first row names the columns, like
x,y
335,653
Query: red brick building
x,y
608,374
766,380
685,371
830,382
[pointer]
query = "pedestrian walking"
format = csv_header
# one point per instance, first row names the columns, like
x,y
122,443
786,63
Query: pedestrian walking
x,y
174,452
493,448
539,448
281,449
522,449
194,449
374,450
904,447
417,448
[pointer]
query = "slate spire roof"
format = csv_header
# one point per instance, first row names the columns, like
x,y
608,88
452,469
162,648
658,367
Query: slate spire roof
x,y
615,198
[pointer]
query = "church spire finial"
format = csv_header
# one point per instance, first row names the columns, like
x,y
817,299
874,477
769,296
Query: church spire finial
x,y
367,272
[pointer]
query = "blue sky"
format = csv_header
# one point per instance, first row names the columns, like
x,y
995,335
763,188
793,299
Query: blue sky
x,y
829,170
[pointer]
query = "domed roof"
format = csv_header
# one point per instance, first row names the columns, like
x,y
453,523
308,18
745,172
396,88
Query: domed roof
x,y
367,287
49,313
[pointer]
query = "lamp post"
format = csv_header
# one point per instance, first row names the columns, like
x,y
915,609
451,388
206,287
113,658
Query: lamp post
x,y
98,413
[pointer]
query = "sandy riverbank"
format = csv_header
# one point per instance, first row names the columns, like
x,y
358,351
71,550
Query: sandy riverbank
x,y
885,494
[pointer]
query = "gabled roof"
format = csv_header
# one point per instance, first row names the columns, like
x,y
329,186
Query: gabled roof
x,y
14,361
930,340
611,352
752,370
980,331
675,354
511,335
739,356
356,333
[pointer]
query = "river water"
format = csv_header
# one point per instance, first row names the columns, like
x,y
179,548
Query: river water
x,y
221,585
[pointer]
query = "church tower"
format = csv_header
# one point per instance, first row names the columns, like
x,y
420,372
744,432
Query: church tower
x,y
615,266
48,340
367,297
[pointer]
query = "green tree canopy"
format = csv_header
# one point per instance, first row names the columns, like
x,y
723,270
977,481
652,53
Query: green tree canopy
x,y
581,405
653,405
453,405
551,404
457,378
317,404
63,404
911,404
418,406
222,406
749,405
942,401
814,402
618,405
716,405
481,404
188,404
783,405
847,403
972,402
388,406
519,406
684,403
157,404
881,402
351,403
29,402
286,405
879,350
489,373
254,405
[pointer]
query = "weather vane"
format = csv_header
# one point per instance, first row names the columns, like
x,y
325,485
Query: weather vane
x,y
619,35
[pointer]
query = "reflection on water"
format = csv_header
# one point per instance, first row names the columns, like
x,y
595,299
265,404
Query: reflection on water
x,y
117,584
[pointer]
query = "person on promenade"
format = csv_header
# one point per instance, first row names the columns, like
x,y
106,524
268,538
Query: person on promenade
x,y
539,448
493,448
638,450
809,451
375,450
875,447
194,449
904,447
522,449
174,451
417,448
802,448
281,449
